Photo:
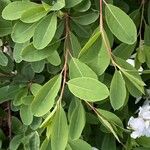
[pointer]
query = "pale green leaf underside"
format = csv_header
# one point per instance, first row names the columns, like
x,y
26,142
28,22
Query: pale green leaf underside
x,y
117,91
45,31
88,89
33,14
120,24
44,99
59,136
80,69
77,122
14,10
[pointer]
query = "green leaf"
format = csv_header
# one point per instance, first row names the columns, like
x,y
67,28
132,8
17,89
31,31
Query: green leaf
x,y
90,42
109,142
38,66
111,117
101,62
79,145
44,99
59,135
5,27
108,125
132,88
33,14
17,99
140,54
49,118
147,54
59,4
54,59
27,99
15,142
26,114
79,69
45,31
3,93
77,122
87,18
120,24
88,89
81,31
18,48
144,141
36,123
136,17
72,107
147,35
22,32
70,4
31,54
3,59
74,44
35,88
137,83
92,52
14,10
46,145
83,6
131,73
117,91
3,4
124,51
34,142
68,147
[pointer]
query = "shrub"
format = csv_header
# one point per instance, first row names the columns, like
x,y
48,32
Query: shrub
x,y
73,73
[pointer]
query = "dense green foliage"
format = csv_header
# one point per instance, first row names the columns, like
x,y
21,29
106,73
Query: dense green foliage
x,y
65,83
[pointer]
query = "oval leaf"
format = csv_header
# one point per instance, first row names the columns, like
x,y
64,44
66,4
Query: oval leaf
x,y
80,69
45,31
44,99
22,32
77,122
88,89
14,10
54,59
117,91
18,48
79,145
31,54
26,115
59,136
33,14
3,59
58,5
70,3
120,24
86,19
5,27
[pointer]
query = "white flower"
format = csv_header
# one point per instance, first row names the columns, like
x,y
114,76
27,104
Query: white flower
x,y
144,111
141,124
137,125
132,62
93,148
147,132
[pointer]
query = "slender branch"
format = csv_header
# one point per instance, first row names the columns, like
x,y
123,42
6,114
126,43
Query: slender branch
x,y
142,18
66,51
101,14
107,46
